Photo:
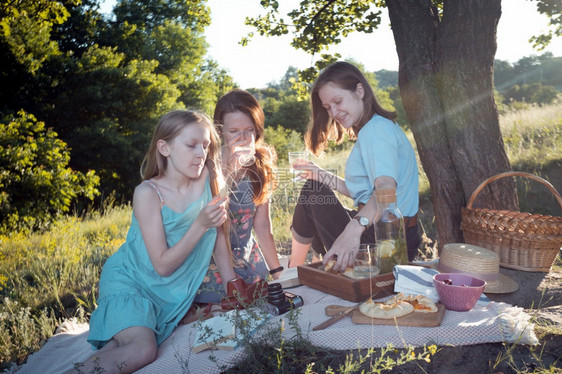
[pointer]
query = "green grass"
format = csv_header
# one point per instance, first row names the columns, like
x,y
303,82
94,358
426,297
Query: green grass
x,y
51,276
533,142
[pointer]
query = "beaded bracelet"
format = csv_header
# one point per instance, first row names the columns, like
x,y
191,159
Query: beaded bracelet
x,y
276,270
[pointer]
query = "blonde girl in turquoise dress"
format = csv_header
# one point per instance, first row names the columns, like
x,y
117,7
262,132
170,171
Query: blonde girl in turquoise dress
x,y
149,284
239,119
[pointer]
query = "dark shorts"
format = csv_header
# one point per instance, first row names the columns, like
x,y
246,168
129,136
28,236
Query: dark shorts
x,y
320,218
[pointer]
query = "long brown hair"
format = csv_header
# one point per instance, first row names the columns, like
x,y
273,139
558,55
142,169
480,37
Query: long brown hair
x,y
323,128
262,170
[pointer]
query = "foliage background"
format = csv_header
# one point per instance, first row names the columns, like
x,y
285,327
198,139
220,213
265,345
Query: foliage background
x,y
92,87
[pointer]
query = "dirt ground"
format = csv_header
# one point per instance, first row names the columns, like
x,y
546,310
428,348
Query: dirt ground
x,y
541,295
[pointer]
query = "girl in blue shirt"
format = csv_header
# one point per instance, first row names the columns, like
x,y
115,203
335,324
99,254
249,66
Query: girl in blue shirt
x,y
382,158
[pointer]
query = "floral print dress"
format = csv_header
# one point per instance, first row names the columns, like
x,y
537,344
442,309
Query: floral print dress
x,y
248,260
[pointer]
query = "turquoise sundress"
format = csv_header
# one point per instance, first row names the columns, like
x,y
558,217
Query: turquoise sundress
x,y
132,293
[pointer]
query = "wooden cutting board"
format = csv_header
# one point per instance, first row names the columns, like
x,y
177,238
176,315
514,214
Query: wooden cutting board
x,y
413,319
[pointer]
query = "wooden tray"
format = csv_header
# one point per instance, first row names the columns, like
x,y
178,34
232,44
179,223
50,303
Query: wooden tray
x,y
355,290
412,319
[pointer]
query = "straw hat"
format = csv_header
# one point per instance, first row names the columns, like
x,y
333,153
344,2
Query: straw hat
x,y
478,262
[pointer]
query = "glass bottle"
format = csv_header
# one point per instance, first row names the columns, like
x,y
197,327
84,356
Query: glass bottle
x,y
390,232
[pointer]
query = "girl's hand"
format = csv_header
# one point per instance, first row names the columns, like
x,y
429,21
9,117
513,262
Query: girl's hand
x,y
308,169
214,213
345,247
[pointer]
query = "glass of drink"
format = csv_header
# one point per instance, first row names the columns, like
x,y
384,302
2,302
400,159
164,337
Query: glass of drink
x,y
366,264
297,158
241,149
246,154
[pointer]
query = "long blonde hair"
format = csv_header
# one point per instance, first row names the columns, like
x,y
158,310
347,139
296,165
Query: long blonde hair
x,y
170,126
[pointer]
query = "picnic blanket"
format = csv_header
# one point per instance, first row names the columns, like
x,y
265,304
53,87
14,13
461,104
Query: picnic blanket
x,y
495,322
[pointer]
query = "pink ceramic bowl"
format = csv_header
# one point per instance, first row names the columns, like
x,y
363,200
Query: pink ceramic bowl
x,y
458,291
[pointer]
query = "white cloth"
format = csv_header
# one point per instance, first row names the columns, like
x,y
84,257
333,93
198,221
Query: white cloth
x,y
417,280
497,322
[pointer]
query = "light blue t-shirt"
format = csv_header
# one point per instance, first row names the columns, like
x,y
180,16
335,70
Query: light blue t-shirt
x,y
382,149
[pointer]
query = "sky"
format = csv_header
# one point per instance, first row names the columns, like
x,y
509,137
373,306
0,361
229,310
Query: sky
x,y
266,60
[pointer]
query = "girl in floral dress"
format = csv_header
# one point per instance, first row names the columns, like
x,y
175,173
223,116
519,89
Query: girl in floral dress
x,y
248,168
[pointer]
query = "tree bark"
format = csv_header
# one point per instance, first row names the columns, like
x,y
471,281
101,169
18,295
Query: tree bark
x,y
466,46
446,85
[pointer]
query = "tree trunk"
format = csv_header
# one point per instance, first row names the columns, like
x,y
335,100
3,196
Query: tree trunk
x,y
446,85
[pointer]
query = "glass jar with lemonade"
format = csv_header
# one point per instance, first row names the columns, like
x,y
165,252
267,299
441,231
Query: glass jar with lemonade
x,y
390,232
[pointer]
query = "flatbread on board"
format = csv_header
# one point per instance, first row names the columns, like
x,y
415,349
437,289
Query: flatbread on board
x,y
386,311
398,306
421,304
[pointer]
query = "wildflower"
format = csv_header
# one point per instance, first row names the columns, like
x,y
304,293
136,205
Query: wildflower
x,y
432,349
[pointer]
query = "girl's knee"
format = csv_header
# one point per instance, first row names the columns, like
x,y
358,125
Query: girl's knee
x,y
146,352
139,350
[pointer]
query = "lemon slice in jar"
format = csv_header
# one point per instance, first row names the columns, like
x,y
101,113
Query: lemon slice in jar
x,y
386,247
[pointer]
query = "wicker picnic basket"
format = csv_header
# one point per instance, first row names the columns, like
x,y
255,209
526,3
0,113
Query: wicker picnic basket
x,y
523,241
